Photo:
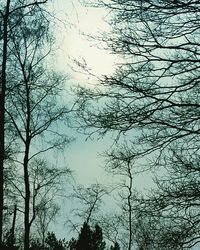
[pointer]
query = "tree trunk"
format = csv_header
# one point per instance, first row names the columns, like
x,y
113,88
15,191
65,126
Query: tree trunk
x,y
13,224
11,237
130,206
27,224
27,199
2,114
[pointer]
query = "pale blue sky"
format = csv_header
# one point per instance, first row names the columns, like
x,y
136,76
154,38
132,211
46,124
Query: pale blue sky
x,y
82,157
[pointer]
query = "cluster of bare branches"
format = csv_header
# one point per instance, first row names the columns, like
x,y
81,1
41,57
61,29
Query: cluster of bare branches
x,y
32,113
152,103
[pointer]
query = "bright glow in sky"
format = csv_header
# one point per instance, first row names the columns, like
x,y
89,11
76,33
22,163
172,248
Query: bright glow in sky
x,y
82,157
83,21
77,20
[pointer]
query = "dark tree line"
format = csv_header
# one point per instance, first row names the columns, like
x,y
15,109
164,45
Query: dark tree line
x,y
89,239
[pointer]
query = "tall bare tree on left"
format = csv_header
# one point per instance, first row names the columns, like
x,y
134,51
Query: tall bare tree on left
x,y
29,101
5,18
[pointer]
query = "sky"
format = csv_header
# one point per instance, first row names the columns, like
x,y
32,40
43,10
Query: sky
x,y
76,22
80,22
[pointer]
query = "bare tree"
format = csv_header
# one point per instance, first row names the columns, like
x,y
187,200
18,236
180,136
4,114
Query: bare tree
x,y
34,104
119,163
8,10
4,17
152,100
46,187
112,226
88,204
174,203
46,214
153,96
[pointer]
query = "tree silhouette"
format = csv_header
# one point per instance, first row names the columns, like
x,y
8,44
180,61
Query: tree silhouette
x,y
9,20
115,247
53,243
33,104
85,238
89,239
97,238
3,81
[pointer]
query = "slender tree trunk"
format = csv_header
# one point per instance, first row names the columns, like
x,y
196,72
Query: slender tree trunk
x,y
27,224
26,172
130,206
11,239
27,199
13,224
2,114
